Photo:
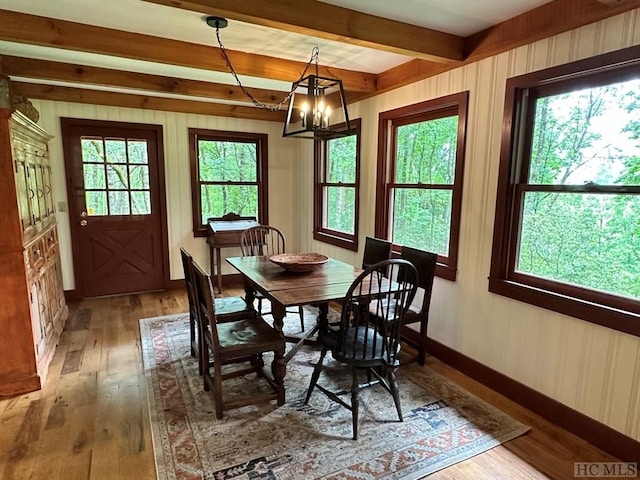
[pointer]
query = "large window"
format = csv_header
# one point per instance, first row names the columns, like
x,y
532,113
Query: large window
x,y
420,170
567,233
228,175
336,194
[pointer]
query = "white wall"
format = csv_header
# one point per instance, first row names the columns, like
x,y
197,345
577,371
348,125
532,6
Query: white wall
x,y
177,174
587,367
590,368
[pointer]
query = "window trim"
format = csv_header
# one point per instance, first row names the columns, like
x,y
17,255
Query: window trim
x,y
616,312
456,103
261,142
327,235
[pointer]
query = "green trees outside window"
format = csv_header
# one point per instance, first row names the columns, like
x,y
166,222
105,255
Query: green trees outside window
x,y
337,170
567,229
228,173
420,173
581,218
116,176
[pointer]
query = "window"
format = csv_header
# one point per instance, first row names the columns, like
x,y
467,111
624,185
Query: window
x,y
337,183
420,169
567,231
116,176
228,175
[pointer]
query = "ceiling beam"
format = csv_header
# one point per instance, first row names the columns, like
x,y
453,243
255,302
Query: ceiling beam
x,y
49,32
114,99
323,20
545,21
68,72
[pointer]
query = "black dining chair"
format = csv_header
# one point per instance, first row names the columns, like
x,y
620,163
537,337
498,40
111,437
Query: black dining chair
x,y
363,342
375,250
227,308
265,240
425,263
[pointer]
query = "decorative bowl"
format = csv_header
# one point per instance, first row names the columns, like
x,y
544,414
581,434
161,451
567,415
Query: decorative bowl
x,y
299,262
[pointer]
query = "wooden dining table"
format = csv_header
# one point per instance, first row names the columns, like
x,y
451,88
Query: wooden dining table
x,y
283,289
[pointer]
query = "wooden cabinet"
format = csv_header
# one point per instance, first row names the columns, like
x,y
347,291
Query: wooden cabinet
x,y
32,305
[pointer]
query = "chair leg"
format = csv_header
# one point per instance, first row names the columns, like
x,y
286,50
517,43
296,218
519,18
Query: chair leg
x,y
355,401
217,389
192,334
422,346
315,375
393,384
206,365
301,312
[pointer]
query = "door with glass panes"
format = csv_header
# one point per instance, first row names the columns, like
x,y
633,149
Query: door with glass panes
x,y
115,183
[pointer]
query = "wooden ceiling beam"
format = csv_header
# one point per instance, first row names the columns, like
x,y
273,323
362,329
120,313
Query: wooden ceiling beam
x,y
114,99
68,72
330,22
545,21
49,32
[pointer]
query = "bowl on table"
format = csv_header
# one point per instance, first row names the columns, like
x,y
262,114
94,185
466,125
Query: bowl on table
x,y
299,262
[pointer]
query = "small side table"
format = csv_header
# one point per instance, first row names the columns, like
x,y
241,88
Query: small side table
x,y
225,233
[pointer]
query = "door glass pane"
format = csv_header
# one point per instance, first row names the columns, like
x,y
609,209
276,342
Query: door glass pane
x,y
227,161
426,151
139,177
137,151
217,200
92,149
116,150
94,176
340,209
96,203
422,219
117,177
140,203
582,239
119,203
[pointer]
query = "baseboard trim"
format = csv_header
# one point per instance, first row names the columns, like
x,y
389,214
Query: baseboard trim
x,y
602,436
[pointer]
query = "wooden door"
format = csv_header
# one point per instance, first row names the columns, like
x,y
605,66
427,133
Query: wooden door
x,y
115,182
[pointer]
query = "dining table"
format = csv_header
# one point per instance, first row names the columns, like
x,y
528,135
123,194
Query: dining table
x,y
283,288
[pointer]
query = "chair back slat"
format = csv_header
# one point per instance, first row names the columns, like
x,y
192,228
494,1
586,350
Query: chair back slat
x,y
205,303
187,260
262,240
425,263
375,250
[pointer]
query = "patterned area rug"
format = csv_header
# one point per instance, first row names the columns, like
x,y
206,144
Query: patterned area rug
x,y
443,424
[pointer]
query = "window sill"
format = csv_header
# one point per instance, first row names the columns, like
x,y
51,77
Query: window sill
x,y
620,320
336,241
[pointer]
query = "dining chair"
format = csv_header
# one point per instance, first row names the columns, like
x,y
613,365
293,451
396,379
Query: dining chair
x,y
425,263
366,346
227,308
375,250
265,240
244,340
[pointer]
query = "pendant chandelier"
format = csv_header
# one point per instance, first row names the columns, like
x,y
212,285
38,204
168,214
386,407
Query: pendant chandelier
x,y
313,102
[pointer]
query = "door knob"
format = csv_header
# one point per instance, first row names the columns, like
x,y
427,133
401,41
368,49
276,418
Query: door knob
x,y
83,223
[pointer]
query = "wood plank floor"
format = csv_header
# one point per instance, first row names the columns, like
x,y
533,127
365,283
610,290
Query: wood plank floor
x,y
90,420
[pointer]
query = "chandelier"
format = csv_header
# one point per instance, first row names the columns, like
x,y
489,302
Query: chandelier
x,y
312,102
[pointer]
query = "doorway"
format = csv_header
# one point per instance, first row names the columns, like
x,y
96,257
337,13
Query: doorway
x,y
117,206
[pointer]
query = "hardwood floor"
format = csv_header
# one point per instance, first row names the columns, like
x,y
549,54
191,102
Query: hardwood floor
x,y
90,421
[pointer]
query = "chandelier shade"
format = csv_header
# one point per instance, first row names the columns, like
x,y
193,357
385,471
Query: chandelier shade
x,y
314,105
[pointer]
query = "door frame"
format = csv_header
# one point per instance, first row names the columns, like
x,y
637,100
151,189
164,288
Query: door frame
x,y
66,124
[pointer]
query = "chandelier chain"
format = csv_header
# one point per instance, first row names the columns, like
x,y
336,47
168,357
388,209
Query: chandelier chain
x,y
315,52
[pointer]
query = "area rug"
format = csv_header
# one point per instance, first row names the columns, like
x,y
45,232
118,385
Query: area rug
x,y
443,424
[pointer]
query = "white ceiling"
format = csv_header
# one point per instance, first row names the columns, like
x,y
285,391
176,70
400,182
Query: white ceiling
x,y
459,17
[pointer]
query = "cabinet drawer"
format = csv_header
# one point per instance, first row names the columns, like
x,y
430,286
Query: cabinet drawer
x,y
35,255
